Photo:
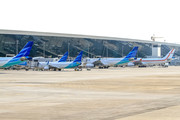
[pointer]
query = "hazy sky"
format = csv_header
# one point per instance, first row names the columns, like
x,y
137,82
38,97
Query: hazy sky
x,y
138,19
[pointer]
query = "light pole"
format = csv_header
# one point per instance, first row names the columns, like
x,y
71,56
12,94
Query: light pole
x,y
17,47
122,50
107,51
88,50
44,49
68,49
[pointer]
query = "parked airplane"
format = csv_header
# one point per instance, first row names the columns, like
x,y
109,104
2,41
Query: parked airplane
x,y
143,62
65,65
19,58
45,65
106,62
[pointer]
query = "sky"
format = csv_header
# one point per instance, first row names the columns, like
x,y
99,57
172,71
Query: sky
x,y
136,19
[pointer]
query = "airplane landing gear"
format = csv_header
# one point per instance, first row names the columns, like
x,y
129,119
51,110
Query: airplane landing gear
x,y
88,69
100,67
103,67
77,69
26,69
142,66
106,67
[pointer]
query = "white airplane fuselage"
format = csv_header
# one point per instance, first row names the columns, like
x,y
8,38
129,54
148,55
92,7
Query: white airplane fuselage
x,y
106,62
61,65
154,61
111,61
43,64
148,61
4,60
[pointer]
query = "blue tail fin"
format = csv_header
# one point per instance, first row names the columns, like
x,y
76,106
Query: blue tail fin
x,y
64,57
25,51
133,52
79,57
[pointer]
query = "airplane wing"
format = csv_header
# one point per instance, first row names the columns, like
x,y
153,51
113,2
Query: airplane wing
x,y
138,62
92,62
97,63
53,66
104,63
100,61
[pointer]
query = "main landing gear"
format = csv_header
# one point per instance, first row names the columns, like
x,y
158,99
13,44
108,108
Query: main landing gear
x,y
57,69
78,69
103,67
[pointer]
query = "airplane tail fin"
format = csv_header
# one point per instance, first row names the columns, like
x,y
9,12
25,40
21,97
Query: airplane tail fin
x,y
25,51
170,54
79,57
132,54
64,57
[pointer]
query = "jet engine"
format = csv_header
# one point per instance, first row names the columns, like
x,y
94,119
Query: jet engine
x,y
23,59
46,67
131,59
130,64
89,65
169,59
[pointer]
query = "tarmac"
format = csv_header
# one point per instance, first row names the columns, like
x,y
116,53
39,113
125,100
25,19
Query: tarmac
x,y
151,93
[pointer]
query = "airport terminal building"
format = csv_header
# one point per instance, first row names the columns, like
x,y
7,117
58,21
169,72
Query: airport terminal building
x,y
55,44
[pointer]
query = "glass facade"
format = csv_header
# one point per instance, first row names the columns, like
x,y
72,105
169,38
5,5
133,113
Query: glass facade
x,y
52,46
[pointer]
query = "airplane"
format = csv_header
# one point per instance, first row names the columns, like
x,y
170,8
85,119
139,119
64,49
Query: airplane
x,y
45,65
22,56
106,62
143,62
66,65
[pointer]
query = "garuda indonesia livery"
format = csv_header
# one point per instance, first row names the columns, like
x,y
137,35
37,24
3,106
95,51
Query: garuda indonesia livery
x,y
152,61
45,65
19,58
119,61
106,62
65,65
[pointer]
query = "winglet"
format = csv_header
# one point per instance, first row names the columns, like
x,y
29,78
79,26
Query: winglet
x,y
64,57
133,52
79,57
